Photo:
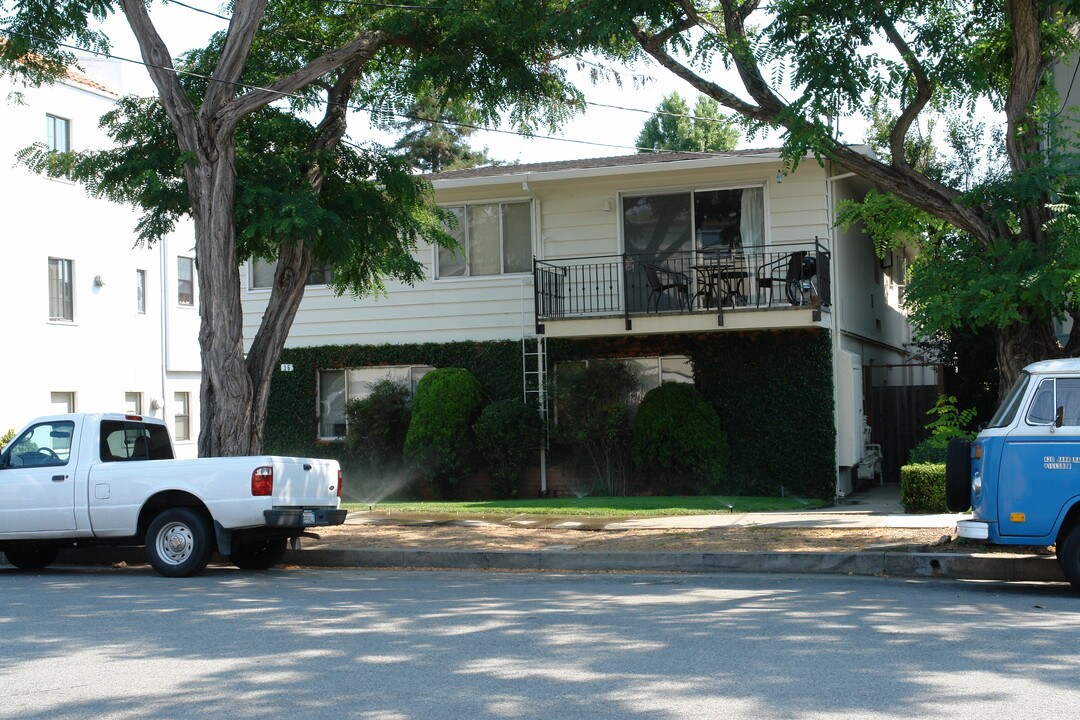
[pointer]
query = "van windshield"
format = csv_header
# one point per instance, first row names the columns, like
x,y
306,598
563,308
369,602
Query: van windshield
x,y
1006,412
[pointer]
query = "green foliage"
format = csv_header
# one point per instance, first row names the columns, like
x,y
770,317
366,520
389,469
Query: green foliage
x,y
6,438
772,391
508,437
435,136
927,451
922,488
594,411
673,127
440,442
378,424
947,422
679,446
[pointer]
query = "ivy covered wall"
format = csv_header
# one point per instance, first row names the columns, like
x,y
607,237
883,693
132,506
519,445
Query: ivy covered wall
x,y
773,391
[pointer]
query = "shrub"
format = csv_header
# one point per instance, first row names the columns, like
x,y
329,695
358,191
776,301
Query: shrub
x,y
594,416
6,438
507,435
378,425
948,422
928,451
439,442
678,443
922,488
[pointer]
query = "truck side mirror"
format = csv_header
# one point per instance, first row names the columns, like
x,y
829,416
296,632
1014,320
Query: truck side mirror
x,y
1059,416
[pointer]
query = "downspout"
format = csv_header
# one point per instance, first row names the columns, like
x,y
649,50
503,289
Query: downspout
x,y
163,254
837,302
541,352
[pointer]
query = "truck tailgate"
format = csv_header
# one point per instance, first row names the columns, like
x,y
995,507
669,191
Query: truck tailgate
x,y
305,482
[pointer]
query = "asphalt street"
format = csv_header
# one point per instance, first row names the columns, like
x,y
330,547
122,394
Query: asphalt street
x,y
79,643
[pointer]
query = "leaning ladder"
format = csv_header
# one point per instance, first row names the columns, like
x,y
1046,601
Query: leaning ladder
x,y
534,384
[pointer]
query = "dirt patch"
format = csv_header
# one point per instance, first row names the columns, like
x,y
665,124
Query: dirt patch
x,y
490,536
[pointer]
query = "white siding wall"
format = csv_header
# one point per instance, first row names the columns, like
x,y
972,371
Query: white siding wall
x,y
109,349
570,219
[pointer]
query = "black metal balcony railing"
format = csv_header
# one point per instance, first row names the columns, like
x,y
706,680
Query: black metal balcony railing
x,y
711,280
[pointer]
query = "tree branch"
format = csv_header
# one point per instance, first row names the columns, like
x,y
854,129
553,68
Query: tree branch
x,y
159,63
361,48
246,20
923,91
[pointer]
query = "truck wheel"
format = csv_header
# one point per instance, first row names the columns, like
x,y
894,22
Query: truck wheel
x,y
32,557
958,475
260,553
1068,555
179,542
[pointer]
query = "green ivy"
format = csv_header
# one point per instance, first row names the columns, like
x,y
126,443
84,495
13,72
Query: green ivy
x,y
773,392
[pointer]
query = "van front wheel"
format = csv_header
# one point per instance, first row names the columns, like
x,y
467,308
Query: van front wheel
x,y
1068,555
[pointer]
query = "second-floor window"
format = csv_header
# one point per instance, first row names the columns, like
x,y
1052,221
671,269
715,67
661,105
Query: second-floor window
x,y
700,220
61,303
185,281
140,292
57,133
261,274
494,239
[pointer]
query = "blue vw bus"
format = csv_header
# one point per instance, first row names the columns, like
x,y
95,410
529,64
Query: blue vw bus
x,y
1021,475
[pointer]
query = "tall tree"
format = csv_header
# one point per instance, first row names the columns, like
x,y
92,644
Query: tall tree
x,y
435,137
314,55
674,128
923,55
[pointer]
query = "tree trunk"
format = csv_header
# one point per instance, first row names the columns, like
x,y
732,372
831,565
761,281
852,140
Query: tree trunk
x,y
1019,345
227,391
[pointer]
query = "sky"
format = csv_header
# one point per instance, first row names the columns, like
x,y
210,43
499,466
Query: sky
x,y
598,132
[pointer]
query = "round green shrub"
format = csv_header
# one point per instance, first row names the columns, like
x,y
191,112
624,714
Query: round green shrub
x,y
930,450
440,442
679,446
508,436
922,488
378,424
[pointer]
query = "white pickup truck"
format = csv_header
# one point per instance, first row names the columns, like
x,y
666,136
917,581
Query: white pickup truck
x,y
80,480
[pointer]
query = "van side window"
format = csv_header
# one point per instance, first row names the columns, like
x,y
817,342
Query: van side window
x,y
1054,397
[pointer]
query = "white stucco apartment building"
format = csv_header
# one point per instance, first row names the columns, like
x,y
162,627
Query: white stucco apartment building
x,y
89,321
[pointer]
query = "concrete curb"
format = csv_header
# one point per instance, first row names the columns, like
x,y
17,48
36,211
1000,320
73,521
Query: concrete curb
x,y
1000,567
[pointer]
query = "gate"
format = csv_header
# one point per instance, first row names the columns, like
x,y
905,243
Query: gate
x,y
896,399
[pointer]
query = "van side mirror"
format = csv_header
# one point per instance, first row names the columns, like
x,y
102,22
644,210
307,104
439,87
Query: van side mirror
x,y
1059,416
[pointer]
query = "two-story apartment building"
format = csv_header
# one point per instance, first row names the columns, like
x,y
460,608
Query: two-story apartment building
x,y
720,270
91,320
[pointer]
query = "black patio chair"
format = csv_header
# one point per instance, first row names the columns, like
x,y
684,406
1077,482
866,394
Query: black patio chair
x,y
790,272
661,281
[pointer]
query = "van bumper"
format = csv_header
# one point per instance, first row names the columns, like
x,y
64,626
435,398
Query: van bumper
x,y
973,529
304,517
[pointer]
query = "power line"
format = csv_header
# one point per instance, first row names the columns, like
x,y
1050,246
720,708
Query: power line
x,y
321,101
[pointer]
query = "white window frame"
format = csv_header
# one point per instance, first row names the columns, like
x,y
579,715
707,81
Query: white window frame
x,y
140,292
464,229
53,141
184,263
64,398
64,287
133,403
182,416
415,372
691,191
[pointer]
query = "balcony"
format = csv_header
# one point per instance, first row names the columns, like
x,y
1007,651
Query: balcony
x,y
785,285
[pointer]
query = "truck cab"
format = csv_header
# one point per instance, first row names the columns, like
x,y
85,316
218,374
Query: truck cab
x,y
1021,474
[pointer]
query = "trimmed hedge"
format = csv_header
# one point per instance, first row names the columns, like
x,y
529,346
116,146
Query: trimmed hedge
x,y
679,446
440,442
922,488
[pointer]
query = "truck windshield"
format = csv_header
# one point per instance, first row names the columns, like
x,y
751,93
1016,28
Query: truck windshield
x,y
1006,412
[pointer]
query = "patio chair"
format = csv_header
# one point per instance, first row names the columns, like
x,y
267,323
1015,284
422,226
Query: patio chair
x,y
661,281
790,272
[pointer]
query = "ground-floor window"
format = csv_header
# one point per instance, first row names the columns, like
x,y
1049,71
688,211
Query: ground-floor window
x,y
338,387
651,371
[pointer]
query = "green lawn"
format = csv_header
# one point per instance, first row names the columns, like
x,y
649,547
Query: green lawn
x,y
595,506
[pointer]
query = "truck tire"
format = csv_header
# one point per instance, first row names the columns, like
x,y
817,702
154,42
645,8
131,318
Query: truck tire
x,y
260,553
32,557
1068,555
179,542
958,475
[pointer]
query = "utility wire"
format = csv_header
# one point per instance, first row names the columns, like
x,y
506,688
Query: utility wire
x,y
350,106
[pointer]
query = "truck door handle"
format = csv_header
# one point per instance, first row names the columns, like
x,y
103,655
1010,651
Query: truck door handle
x,y
59,478
307,466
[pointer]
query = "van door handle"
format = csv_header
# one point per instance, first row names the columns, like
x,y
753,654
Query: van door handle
x,y
59,478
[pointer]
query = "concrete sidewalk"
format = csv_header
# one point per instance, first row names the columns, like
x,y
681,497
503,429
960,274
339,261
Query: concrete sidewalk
x,y
877,508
